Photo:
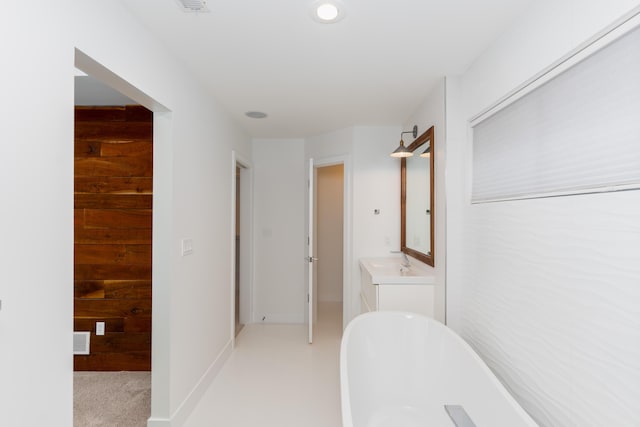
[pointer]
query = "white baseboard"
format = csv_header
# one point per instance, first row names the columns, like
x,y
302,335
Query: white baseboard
x,y
158,422
185,409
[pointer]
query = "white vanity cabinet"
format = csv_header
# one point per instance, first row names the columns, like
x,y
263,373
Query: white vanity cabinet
x,y
387,285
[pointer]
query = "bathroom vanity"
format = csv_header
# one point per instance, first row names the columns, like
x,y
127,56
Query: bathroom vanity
x,y
386,284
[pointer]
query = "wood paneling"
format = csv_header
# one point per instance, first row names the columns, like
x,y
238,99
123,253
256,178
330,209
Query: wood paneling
x,y
112,307
113,220
112,235
113,185
111,271
116,166
113,130
92,148
117,218
113,254
132,148
113,289
112,324
113,361
112,201
127,289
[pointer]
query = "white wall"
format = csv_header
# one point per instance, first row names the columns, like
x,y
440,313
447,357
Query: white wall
x,y
376,185
432,113
338,143
279,230
373,182
457,190
192,199
37,215
546,289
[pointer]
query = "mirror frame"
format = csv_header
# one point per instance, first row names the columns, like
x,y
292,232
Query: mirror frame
x,y
429,259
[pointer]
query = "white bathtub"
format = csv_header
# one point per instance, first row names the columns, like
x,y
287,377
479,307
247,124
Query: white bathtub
x,y
400,369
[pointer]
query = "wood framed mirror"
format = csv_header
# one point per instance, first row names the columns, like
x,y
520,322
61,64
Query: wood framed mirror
x,y
417,199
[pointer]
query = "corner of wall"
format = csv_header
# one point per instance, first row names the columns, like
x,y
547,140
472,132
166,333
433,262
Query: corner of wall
x,y
432,113
186,407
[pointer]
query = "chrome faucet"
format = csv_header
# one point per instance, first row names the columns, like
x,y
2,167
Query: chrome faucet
x,y
405,260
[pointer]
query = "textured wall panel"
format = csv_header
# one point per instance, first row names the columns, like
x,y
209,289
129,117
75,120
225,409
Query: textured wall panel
x,y
552,303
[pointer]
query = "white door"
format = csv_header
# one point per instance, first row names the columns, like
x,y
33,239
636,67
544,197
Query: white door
x,y
311,259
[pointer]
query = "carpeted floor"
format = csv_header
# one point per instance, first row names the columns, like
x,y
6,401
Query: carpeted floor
x,y
114,399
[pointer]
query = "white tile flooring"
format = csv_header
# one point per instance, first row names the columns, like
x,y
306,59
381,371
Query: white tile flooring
x,y
274,378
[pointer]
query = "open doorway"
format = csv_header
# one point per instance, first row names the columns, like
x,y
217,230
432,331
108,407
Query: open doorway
x,y
241,300
238,324
117,213
113,191
329,231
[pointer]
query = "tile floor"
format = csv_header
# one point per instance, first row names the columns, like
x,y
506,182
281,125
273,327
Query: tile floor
x,y
275,379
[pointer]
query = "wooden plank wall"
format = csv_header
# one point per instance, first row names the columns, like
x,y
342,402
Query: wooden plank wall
x,y
113,205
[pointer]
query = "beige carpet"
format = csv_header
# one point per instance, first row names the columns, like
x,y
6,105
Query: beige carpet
x,y
115,399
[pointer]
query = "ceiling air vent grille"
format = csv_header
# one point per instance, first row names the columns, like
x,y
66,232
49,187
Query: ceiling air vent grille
x,y
193,5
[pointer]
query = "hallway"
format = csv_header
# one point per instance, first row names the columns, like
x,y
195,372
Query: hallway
x,y
275,379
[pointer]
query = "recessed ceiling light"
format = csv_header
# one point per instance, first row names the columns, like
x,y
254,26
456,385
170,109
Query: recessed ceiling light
x,y
255,114
327,11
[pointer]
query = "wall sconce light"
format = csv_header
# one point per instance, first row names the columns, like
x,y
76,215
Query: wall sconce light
x,y
427,152
403,151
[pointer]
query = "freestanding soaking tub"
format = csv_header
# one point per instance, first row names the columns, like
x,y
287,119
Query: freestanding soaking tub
x,y
404,370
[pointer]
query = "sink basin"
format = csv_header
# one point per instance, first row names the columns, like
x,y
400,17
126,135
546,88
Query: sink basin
x,y
386,271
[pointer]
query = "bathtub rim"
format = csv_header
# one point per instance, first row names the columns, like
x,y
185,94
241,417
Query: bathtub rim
x,y
347,416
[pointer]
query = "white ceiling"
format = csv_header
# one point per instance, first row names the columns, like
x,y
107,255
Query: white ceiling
x,y
375,67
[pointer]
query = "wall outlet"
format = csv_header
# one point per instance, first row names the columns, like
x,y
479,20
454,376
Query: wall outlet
x,y
99,328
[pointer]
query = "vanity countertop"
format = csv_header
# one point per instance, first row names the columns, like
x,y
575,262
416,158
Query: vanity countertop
x,y
389,271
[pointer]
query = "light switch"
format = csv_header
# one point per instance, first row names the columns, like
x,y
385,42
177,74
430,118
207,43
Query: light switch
x,y
187,247
99,328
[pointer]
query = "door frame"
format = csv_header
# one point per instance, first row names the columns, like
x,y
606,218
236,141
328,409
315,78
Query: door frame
x,y
345,161
246,242
162,218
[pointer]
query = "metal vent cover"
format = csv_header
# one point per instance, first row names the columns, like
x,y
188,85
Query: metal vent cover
x,y
81,342
193,5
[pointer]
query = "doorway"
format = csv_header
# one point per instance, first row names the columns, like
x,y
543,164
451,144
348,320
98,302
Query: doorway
x,y
238,325
329,244
152,223
241,295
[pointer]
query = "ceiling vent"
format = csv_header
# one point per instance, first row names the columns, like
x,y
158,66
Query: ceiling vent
x,y
193,6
